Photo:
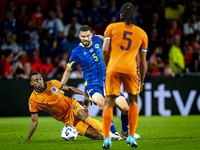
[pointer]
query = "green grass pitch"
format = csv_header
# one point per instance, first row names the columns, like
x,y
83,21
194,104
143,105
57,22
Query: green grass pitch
x,y
160,133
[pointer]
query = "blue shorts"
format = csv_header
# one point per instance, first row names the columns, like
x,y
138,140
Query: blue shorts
x,y
120,95
91,89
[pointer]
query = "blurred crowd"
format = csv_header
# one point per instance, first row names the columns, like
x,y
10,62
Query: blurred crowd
x,y
40,35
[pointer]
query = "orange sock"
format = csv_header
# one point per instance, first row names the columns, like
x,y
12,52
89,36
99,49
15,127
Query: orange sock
x,y
94,123
107,119
133,114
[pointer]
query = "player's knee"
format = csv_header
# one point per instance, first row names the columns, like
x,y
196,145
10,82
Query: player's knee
x,y
101,105
125,111
99,100
133,103
82,115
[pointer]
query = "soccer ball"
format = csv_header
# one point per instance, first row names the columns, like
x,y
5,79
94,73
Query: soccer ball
x,y
69,133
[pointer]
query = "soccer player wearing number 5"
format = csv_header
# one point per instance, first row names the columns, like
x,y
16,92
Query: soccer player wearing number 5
x,y
89,55
126,40
47,97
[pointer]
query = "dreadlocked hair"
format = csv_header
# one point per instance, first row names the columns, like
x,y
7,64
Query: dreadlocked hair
x,y
127,12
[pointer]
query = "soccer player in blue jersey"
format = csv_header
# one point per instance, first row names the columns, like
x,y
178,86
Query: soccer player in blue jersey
x,y
89,55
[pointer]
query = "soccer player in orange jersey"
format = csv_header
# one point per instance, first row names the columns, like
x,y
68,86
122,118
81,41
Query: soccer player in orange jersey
x,y
47,97
126,40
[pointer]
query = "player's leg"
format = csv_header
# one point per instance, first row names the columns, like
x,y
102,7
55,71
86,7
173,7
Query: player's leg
x,y
133,115
90,121
131,85
112,84
134,112
124,120
122,105
86,130
112,128
81,112
98,98
107,119
93,134
82,121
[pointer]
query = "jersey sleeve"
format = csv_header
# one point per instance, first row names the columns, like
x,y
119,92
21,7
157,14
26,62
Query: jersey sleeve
x,y
107,33
144,42
57,84
33,107
97,38
74,60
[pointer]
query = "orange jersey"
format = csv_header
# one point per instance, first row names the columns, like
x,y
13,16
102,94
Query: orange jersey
x,y
126,40
52,101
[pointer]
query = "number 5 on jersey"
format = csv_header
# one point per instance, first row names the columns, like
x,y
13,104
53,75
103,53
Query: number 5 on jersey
x,y
127,39
95,57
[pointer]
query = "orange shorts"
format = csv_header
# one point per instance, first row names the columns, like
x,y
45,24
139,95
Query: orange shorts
x,y
113,83
73,119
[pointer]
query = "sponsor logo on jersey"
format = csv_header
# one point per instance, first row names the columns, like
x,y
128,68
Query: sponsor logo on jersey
x,y
54,90
96,45
91,50
85,53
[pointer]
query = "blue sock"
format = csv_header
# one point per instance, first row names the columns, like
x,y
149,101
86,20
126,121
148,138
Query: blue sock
x,y
101,111
112,128
124,119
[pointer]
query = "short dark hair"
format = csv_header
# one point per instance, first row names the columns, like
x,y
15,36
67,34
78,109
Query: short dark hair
x,y
127,12
85,28
33,73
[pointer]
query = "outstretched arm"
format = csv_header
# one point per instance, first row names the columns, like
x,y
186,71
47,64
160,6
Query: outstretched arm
x,y
65,76
105,51
72,90
33,126
76,91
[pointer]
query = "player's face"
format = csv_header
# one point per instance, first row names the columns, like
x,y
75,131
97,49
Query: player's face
x,y
37,82
85,37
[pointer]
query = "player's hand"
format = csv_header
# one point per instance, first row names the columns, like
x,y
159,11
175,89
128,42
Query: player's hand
x,y
141,86
87,99
62,92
